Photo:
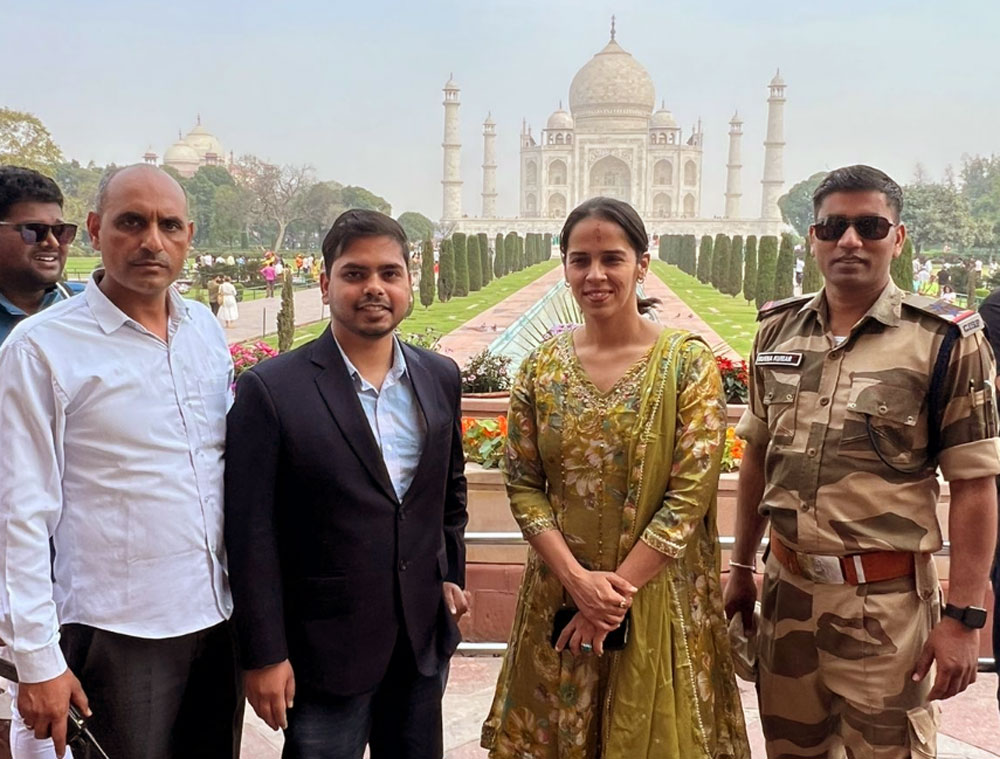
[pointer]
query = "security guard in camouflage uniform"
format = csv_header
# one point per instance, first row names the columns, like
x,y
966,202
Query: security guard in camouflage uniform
x,y
859,394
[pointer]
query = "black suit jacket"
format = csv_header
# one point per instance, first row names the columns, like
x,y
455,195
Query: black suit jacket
x,y
326,564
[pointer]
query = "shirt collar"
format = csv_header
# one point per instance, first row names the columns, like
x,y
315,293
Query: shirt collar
x,y
395,374
109,317
887,308
52,295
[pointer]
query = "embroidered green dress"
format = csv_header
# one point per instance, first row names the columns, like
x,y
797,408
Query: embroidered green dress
x,y
640,462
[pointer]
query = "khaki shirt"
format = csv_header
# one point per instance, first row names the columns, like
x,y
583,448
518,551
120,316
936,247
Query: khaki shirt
x,y
827,491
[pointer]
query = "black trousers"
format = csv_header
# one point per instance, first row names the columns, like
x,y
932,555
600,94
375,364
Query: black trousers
x,y
171,698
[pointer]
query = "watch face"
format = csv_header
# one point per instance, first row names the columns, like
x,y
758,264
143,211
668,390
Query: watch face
x,y
975,617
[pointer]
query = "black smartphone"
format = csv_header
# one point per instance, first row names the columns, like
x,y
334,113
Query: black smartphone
x,y
615,640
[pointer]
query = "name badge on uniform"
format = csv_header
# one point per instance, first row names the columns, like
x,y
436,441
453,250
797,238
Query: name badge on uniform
x,y
774,358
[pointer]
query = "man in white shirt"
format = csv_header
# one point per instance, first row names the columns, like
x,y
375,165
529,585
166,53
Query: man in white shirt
x,y
112,423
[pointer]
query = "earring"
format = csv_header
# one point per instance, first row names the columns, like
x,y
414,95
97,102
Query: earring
x,y
642,279
566,283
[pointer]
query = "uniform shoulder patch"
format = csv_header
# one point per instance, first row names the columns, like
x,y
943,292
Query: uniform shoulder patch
x,y
774,306
968,321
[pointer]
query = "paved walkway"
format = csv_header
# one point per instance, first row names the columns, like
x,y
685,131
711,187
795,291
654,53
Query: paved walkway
x,y
970,724
260,317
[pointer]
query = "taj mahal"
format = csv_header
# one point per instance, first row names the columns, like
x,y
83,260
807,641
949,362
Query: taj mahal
x,y
613,141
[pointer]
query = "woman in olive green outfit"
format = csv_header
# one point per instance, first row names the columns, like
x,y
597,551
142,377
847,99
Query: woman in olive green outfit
x,y
615,435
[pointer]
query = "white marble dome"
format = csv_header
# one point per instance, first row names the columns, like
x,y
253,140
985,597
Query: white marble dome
x,y
203,141
560,119
612,85
181,152
663,119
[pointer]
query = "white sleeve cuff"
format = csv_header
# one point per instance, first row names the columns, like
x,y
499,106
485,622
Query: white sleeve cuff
x,y
40,665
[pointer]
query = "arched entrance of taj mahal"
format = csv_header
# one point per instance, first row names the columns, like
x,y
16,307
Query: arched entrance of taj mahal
x,y
611,177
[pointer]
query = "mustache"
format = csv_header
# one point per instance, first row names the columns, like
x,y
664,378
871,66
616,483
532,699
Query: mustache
x,y
374,302
159,258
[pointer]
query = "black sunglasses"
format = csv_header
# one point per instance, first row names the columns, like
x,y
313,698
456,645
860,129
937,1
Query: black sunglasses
x,y
832,228
35,232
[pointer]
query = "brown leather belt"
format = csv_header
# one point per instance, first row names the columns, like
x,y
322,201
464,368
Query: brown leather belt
x,y
855,569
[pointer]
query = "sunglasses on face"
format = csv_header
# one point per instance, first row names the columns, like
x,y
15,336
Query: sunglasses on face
x,y
832,228
35,232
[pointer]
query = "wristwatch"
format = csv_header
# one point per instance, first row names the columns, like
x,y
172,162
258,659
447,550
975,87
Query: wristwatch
x,y
971,616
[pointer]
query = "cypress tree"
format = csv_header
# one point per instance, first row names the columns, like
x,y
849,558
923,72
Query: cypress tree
x,y
705,260
286,316
750,270
427,273
766,269
546,247
812,279
784,270
689,254
485,267
734,279
498,270
475,263
446,272
676,249
532,245
901,268
720,262
460,251
520,252
662,253
510,253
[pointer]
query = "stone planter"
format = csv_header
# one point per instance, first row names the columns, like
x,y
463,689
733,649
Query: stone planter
x,y
733,412
485,405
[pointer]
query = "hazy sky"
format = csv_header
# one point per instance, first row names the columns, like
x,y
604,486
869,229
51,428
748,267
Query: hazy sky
x,y
354,89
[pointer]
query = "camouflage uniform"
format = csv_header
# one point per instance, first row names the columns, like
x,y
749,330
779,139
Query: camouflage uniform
x,y
836,659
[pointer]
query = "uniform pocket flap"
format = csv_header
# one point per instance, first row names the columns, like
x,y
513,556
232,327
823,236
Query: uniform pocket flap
x,y
779,388
881,401
924,722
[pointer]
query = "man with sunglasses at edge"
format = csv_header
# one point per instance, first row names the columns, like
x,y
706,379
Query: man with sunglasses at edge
x,y
34,242
859,394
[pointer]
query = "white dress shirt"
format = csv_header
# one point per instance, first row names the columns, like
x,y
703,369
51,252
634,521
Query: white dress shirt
x,y
394,417
111,443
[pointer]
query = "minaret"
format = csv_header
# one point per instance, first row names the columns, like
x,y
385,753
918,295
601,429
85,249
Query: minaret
x,y
734,184
451,206
489,168
774,145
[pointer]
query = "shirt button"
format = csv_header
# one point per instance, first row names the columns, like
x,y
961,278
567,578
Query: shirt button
x,y
833,355
805,507
402,565
883,409
402,514
811,452
824,401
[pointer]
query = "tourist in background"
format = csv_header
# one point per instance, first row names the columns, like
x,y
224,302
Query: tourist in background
x,y
229,311
269,274
214,300
615,436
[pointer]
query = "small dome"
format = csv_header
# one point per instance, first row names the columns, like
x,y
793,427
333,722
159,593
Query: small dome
x,y
777,81
612,85
489,120
451,84
560,119
203,141
663,119
180,152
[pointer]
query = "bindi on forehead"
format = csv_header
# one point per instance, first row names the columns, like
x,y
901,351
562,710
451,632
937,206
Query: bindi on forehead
x,y
597,232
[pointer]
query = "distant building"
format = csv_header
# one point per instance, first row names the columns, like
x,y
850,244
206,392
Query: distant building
x,y
198,148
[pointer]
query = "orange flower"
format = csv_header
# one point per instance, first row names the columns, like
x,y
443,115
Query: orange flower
x,y
503,425
467,421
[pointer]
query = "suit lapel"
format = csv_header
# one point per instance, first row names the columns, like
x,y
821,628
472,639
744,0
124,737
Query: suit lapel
x,y
337,390
427,391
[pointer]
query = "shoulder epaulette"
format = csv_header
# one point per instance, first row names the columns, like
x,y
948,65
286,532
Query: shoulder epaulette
x,y
968,321
774,306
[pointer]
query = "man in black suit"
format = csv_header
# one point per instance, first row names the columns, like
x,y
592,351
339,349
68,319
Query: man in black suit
x,y
990,311
345,513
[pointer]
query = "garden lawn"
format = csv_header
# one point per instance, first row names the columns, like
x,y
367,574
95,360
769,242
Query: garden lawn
x,y
445,317
78,268
732,318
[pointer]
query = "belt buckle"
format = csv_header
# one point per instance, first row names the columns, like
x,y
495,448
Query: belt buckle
x,y
824,569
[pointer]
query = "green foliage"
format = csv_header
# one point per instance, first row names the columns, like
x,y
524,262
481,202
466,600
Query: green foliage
x,y
24,141
546,247
705,260
766,269
784,270
901,268
286,316
520,252
359,197
426,273
720,262
750,270
416,225
510,253
938,214
797,206
498,257
460,251
529,249
812,278
428,339
662,251
446,272
734,279
485,265
688,254
474,263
